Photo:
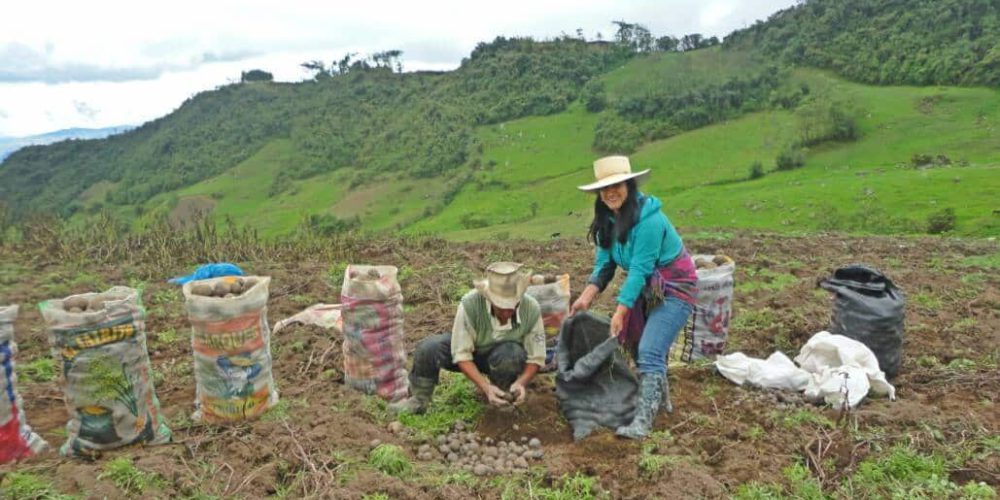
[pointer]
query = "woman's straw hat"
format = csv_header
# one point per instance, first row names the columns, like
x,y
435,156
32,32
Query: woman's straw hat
x,y
611,170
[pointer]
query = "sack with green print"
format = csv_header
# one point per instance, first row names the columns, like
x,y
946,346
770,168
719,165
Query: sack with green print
x,y
100,341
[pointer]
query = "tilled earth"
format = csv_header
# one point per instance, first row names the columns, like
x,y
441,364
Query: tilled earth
x,y
719,436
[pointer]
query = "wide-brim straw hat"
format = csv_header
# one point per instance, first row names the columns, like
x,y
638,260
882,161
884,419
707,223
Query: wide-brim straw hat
x,y
611,170
504,284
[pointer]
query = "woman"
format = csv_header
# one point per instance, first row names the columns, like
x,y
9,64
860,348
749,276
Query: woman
x,y
659,293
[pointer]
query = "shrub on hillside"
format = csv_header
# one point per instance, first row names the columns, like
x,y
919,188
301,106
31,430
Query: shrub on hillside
x,y
328,225
821,120
256,75
471,221
594,98
615,135
941,221
756,171
790,159
280,184
921,160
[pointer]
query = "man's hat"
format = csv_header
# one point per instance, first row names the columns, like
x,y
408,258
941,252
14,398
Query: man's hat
x,y
504,284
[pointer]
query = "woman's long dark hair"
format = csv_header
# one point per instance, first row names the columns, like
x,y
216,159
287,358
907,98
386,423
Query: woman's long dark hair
x,y
605,222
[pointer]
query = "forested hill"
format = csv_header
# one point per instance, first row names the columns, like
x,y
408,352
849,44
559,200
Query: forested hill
x,y
367,120
910,42
361,113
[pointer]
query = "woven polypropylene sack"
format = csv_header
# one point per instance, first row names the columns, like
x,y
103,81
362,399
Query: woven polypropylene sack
x,y
706,335
374,353
553,300
231,341
16,438
869,308
107,378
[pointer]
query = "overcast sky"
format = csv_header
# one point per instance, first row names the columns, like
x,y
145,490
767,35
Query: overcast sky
x,y
102,63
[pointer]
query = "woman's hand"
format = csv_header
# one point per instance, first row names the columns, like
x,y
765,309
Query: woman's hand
x,y
618,320
586,298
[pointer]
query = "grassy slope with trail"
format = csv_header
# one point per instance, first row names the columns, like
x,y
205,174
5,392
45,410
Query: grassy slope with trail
x,y
702,172
525,185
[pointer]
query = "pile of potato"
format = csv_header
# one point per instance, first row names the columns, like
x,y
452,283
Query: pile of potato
x,y
543,279
718,260
77,305
372,274
224,289
470,452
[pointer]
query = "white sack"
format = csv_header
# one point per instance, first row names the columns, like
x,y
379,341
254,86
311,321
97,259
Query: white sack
x,y
776,372
831,368
826,352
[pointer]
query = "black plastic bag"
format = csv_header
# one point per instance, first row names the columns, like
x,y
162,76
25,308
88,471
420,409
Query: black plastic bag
x,y
594,385
869,308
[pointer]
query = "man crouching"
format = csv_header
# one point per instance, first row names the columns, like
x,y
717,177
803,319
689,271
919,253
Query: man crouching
x,y
498,333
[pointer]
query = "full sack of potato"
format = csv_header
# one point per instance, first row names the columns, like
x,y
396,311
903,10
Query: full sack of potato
x,y
374,353
232,348
100,341
706,334
552,294
16,438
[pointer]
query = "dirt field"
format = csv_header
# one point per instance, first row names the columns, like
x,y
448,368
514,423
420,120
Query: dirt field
x,y
719,437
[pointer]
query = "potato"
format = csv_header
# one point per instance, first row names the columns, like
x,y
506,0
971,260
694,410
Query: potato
x,y
703,263
248,284
96,303
537,279
75,310
202,289
721,260
373,274
549,278
220,289
75,303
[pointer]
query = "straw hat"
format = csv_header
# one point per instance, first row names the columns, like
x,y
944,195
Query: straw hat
x,y
504,284
611,170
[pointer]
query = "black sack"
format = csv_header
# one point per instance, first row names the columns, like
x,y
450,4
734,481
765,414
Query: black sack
x,y
869,308
594,385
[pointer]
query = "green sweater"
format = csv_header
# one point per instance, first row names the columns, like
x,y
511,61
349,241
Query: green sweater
x,y
477,309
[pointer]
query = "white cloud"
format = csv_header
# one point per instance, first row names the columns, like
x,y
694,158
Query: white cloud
x,y
133,61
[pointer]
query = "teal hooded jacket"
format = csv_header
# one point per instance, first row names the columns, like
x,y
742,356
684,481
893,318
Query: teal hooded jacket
x,y
653,242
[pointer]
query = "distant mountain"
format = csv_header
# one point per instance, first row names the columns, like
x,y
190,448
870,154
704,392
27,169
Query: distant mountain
x,y
10,144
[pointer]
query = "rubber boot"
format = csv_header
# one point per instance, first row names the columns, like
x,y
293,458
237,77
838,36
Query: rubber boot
x,y
650,394
421,390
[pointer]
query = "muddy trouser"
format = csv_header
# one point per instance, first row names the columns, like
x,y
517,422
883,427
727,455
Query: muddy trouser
x,y
502,362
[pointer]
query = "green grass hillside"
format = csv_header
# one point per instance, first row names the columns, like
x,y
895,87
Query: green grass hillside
x,y
524,184
241,195
863,186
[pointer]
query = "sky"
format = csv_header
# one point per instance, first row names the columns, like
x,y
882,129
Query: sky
x,y
104,63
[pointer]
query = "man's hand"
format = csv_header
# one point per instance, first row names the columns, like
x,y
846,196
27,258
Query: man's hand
x,y
517,390
495,395
618,321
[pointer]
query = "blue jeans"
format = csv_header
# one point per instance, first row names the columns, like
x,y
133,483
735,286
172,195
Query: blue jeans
x,y
662,327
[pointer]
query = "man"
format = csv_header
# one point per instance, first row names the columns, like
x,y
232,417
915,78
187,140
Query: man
x,y
498,333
